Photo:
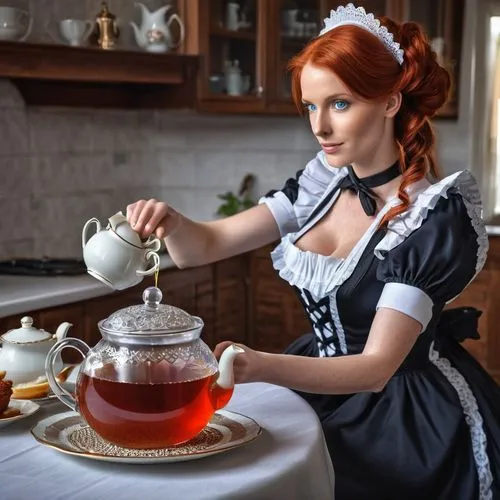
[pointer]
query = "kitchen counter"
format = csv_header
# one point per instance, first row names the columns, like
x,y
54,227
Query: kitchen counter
x,y
22,294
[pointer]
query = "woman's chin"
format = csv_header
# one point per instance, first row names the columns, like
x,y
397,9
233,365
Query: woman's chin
x,y
335,161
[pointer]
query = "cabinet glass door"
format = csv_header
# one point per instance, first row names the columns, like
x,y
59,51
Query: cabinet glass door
x,y
442,21
299,21
231,66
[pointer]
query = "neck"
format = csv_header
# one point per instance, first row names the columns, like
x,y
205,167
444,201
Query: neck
x,y
380,160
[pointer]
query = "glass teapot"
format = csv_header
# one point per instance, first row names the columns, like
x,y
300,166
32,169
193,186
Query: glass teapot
x,y
150,382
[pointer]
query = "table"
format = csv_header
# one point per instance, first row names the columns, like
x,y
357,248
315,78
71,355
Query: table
x,y
289,460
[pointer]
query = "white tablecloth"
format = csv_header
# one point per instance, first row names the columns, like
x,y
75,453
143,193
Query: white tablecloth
x,y
288,461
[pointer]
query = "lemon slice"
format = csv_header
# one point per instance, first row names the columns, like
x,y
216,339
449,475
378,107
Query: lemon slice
x,y
38,388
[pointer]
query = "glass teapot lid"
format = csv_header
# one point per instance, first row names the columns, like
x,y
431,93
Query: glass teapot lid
x,y
151,322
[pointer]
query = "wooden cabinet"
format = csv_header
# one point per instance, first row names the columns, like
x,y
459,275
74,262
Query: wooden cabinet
x,y
484,294
258,37
277,316
443,22
258,46
231,299
216,293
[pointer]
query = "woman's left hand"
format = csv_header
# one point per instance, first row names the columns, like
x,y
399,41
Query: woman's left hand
x,y
247,366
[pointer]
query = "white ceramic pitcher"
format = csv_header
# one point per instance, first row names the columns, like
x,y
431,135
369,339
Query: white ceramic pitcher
x,y
154,33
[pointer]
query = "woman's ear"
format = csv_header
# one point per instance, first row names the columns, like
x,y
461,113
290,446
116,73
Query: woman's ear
x,y
393,105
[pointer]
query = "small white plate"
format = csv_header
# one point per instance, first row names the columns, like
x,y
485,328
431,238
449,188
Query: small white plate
x,y
27,408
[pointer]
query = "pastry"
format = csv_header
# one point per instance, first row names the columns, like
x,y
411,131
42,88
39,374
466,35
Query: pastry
x,y
5,392
10,412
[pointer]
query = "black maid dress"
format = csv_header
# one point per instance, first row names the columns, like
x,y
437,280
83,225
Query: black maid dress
x,y
433,432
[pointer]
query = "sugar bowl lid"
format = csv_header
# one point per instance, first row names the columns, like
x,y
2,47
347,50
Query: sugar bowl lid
x,y
26,334
120,225
151,322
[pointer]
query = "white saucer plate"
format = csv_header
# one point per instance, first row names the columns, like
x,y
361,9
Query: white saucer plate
x,y
27,408
68,433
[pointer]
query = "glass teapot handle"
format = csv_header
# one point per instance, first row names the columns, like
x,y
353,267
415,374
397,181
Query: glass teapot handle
x,y
63,395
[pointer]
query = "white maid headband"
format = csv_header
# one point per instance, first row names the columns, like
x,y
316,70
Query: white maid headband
x,y
351,15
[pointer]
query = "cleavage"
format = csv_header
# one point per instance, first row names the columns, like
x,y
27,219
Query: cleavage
x,y
338,231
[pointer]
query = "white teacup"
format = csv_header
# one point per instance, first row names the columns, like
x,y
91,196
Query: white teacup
x,y
15,24
74,32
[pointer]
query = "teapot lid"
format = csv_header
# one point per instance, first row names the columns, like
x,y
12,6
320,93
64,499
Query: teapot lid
x,y
120,225
151,322
27,333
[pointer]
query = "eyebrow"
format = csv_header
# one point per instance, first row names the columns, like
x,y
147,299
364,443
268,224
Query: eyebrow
x,y
331,97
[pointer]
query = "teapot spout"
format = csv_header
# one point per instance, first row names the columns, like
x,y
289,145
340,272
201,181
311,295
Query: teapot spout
x,y
62,330
226,375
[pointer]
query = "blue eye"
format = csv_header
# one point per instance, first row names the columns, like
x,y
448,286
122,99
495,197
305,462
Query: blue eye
x,y
310,107
340,105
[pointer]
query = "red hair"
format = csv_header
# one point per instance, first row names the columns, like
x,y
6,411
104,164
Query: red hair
x,y
365,65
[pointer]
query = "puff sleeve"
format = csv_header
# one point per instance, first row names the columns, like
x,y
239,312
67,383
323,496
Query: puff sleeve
x,y
434,263
292,204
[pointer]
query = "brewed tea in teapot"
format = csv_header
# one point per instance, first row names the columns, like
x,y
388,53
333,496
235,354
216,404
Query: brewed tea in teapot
x,y
164,412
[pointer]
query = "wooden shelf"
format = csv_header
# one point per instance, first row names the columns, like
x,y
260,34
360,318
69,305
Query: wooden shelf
x,y
222,103
236,35
50,74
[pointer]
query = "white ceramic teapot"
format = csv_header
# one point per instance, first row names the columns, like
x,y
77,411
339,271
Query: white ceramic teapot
x,y
154,33
24,351
116,255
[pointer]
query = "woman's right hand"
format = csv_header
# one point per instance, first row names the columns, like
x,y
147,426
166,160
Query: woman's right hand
x,y
152,216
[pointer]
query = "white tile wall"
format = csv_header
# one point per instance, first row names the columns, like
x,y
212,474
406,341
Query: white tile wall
x,y
60,167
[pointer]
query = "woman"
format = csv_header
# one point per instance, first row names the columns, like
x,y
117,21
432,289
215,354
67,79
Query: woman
x,y
375,251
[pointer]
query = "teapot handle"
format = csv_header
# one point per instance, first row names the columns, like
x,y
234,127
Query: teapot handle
x,y
152,243
86,228
30,26
63,395
175,17
156,266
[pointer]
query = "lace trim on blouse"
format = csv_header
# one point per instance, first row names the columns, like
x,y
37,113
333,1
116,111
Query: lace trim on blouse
x,y
319,274
403,225
314,185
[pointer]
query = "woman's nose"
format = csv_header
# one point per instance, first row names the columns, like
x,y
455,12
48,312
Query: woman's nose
x,y
321,125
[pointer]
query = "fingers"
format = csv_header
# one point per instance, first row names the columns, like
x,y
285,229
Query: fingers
x,y
148,216
219,348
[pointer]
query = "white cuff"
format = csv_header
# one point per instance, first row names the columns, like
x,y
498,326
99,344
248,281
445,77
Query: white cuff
x,y
409,300
282,211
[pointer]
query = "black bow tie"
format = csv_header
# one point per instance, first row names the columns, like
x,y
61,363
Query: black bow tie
x,y
361,187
